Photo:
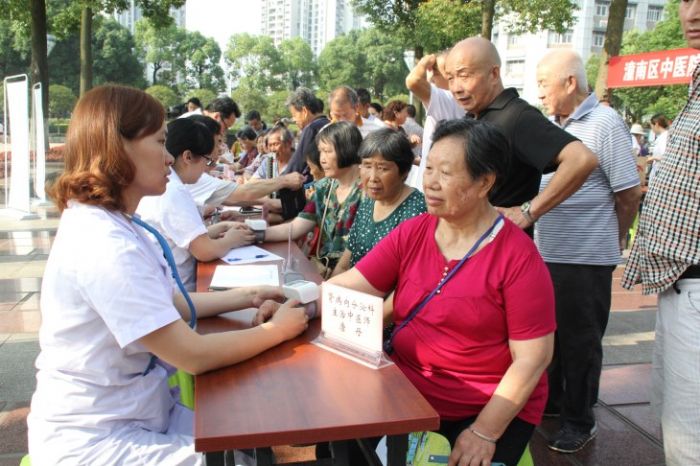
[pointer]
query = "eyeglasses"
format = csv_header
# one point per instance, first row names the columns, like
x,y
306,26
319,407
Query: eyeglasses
x,y
210,161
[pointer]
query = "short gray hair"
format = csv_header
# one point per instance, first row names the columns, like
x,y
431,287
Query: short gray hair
x,y
285,135
303,97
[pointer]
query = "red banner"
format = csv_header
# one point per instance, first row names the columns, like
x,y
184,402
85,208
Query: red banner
x,y
653,68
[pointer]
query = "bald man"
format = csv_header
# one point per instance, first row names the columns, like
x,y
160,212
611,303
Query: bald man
x,y
473,70
580,241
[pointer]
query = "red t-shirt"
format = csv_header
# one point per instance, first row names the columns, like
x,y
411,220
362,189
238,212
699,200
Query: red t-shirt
x,y
455,350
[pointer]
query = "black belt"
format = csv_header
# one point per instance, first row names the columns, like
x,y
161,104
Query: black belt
x,y
691,272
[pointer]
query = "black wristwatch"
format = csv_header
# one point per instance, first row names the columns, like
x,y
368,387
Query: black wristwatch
x,y
525,209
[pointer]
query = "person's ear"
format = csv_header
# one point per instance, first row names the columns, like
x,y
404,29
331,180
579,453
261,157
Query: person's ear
x,y
486,183
187,156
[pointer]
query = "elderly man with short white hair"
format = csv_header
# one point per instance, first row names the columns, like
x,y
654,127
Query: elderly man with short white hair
x,y
580,241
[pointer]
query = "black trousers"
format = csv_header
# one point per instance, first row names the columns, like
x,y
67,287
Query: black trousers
x,y
582,295
509,449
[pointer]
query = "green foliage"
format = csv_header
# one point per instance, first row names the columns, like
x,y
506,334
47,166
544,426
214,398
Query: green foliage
x,y
14,56
299,64
61,101
248,97
114,59
645,101
255,57
204,95
159,48
275,106
164,95
592,67
367,58
441,23
401,97
436,24
202,55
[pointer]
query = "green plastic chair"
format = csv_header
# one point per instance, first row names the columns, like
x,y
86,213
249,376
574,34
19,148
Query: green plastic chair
x,y
25,461
186,383
431,448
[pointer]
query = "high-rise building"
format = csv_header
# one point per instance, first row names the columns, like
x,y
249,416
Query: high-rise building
x,y
130,16
315,21
520,53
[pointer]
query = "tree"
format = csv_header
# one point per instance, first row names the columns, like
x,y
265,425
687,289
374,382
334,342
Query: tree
x,y
62,101
115,59
611,47
255,57
444,22
366,58
163,94
402,18
204,95
300,68
248,97
159,47
202,61
644,101
14,58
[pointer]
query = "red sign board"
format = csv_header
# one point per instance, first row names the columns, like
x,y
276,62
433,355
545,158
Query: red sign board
x,y
653,68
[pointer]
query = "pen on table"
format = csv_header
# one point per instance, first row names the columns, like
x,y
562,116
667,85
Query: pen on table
x,y
236,259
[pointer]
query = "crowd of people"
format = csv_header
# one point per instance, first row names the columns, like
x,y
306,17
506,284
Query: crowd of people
x,y
492,233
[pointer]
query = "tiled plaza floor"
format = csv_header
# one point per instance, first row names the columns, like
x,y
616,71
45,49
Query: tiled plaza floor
x,y
627,433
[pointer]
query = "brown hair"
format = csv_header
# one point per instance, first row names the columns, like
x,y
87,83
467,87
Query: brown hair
x,y
97,167
392,108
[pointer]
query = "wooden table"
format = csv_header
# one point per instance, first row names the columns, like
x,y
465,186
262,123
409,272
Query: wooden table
x,y
298,393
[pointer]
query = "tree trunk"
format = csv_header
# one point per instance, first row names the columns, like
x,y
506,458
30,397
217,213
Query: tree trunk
x,y
613,43
85,50
156,69
488,10
40,62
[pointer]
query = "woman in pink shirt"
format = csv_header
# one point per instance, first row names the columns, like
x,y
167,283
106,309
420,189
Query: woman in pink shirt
x,y
478,347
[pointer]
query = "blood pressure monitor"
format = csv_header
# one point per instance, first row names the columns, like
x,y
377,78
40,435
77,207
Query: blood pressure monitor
x,y
305,292
258,226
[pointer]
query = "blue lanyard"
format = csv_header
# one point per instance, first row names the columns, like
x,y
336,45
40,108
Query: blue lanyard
x,y
389,344
168,254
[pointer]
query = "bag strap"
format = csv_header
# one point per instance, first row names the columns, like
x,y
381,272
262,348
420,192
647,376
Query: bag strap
x,y
388,345
168,254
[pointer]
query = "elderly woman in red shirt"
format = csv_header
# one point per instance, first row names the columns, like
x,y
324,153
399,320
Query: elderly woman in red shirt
x,y
473,305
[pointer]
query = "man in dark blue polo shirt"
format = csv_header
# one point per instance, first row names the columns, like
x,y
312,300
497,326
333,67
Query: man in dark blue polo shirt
x,y
306,111
474,74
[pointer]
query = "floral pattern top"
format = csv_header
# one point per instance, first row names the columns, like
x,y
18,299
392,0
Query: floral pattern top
x,y
339,217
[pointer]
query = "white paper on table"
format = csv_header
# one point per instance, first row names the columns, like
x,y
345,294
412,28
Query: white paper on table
x,y
249,255
353,318
236,276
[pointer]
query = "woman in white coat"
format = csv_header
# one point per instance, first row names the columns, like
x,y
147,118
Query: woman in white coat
x,y
175,214
108,303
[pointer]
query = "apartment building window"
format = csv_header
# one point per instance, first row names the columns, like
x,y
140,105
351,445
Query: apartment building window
x,y
631,12
515,68
602,8
565,38
654,13
513,40
598,39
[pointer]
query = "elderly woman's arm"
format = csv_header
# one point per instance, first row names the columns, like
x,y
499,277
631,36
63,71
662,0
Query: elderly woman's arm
x,y
530,359
354,280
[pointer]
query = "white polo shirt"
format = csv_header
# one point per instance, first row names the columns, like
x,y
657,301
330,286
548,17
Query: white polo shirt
x,y
104,287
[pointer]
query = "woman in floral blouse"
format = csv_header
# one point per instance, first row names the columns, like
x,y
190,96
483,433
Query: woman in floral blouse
x,y
333,206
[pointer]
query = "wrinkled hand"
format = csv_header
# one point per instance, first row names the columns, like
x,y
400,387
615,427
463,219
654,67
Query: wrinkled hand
x,y
264,293
265,311
293,180
239,236
290,320
470,450
515,215
414,139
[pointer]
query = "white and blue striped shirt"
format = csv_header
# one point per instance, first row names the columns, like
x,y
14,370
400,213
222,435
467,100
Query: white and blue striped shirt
x,y
583,229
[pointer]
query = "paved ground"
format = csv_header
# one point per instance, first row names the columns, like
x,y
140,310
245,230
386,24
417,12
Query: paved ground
x,y
627,434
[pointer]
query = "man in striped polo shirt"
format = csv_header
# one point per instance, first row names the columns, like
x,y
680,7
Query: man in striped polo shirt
x,y
580,241
665,259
